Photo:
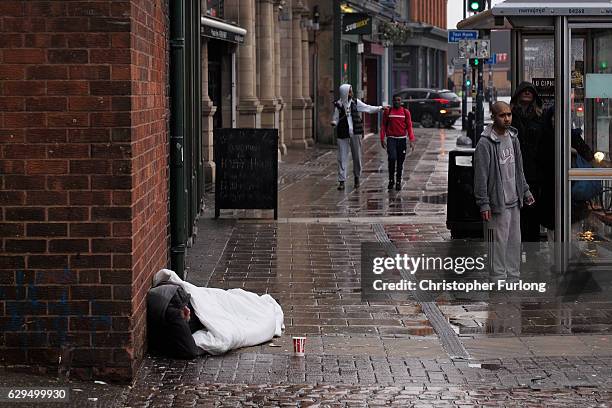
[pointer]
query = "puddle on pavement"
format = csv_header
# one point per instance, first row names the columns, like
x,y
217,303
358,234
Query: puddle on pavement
x,y
525,317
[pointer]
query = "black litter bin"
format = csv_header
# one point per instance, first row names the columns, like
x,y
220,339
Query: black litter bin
x,y
462,215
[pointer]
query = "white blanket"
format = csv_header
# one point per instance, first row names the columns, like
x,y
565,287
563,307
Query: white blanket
x,y
233,318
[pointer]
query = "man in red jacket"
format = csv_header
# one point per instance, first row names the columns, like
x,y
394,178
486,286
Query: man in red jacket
x,y
396,128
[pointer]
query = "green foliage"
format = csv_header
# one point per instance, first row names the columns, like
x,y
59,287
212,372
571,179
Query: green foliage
x,y
394,32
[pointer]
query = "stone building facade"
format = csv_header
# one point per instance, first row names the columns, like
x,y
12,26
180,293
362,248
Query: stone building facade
x,y
272,71
422,60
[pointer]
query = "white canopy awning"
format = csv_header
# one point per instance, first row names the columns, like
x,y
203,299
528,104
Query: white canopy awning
x,y
222,31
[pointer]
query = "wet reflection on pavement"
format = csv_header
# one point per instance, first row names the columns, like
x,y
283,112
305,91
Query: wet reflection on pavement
x,y
310,261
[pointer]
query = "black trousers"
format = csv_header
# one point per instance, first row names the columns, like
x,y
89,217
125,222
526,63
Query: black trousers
x,y
396,154
530,217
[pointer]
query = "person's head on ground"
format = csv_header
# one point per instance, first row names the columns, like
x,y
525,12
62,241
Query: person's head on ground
x,y
501,113
526,98
179,305
397,101
346,92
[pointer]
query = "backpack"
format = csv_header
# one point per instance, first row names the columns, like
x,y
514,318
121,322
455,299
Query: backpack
x,y
585,190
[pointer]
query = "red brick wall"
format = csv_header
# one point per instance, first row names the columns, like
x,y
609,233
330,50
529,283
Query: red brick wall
x,y
83,176
430,11
150,113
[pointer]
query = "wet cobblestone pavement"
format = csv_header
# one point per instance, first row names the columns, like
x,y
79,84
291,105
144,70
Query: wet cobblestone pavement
x,y
368,353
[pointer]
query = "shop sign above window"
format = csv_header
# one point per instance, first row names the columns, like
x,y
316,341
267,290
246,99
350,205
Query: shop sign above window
x,y
356,23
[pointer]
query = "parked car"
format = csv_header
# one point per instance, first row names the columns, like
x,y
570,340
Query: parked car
x,y
430,106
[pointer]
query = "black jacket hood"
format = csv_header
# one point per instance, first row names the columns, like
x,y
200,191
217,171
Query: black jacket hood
x,y
158,299
520,88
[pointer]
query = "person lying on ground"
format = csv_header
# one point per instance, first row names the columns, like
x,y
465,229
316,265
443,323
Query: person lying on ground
x,y
171,322
186,321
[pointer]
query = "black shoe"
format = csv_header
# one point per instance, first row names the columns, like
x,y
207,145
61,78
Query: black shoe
x,y
356,182
391,184
341,185
398,186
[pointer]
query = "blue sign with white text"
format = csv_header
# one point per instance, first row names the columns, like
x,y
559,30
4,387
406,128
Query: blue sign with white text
x,y
492,60
458,35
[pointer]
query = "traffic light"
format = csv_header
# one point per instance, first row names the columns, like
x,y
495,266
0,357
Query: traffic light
x,y
468,83
475,62
476,6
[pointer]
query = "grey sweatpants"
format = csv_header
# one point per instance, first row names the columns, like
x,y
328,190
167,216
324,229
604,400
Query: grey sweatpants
x,y
503,233
354,144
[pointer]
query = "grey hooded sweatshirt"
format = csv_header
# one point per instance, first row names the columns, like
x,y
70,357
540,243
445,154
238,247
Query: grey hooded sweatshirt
x,y
488,182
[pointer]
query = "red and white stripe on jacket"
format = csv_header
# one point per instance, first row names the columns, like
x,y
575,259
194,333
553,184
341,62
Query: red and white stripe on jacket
x,y
396,122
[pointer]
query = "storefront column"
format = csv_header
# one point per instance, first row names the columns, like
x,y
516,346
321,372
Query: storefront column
x,y
306,85
386,99
208,110
265,45
282,147
431,68
421,68
298,136
249,109
286,70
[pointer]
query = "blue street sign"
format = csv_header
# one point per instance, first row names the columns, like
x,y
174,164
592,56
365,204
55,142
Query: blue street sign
x,y
458,35
492,60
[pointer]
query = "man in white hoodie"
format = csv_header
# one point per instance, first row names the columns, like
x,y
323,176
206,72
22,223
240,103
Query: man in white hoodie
x,y
347,117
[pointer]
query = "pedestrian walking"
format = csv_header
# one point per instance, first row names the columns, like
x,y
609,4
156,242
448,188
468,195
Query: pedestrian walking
x,y
395,131
532,127
500,190
347,118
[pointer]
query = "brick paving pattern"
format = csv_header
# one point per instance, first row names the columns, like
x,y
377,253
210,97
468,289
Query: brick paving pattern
x,y
366,353
237,395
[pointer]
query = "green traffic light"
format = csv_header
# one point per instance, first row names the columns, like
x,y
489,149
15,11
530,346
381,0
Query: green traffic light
x,y
476,61
476,6
603,64
468,82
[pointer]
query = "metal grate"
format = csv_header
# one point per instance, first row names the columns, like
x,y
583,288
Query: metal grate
x,y
448,337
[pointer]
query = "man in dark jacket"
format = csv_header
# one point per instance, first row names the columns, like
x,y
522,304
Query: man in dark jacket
x,y
546,166
171,322
528,120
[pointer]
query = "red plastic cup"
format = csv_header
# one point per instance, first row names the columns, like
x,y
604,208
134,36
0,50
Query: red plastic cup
x,y
299,346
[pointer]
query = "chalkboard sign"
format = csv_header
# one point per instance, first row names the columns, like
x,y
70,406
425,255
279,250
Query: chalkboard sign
x,y
246,169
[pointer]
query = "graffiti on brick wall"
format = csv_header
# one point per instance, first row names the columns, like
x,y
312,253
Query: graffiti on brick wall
x,y
23,311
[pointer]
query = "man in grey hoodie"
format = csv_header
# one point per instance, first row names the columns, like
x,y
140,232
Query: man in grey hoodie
x,y
347,117
500,190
